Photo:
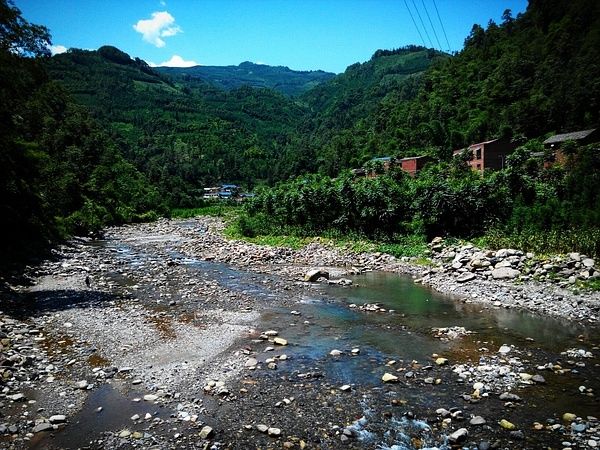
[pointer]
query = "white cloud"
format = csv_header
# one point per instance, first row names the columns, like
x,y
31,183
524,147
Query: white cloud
x,y
161,25
163,3
57,49
175,61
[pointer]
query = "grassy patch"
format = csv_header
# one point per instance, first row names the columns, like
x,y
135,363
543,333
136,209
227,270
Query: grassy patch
x,y
592,285
218,210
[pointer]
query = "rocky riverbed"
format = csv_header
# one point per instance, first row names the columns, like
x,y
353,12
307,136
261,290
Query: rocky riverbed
x,y
168,335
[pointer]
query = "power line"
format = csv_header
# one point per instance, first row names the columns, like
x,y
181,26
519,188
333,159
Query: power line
x,y
431,23
422,24
415,23
442,24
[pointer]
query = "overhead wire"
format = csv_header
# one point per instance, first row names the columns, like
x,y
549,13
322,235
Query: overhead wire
x,y
422,24
442,24
415,23
431,23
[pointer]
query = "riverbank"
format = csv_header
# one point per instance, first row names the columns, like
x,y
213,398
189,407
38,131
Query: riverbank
x,y
168,335
563,300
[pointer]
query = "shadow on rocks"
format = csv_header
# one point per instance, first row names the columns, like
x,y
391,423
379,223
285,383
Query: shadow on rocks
x,y
24,305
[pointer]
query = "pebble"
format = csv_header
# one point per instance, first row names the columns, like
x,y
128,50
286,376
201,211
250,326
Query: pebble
x,y
477,420
206,432
389,378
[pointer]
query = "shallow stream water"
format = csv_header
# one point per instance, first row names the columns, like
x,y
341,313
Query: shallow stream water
x,y
326,321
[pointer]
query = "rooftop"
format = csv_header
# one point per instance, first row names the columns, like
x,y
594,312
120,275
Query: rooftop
x,y
574,136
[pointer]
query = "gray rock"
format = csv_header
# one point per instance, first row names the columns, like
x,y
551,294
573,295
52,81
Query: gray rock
x,y
538,379
58,418
508,397
477,420
252,362
206,432
274,432
588,262
44,426
466,277
314,274
17,397
458,436
518,434
503,273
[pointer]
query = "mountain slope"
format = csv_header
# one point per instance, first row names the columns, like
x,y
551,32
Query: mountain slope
x,y
340,131
183,136
282,79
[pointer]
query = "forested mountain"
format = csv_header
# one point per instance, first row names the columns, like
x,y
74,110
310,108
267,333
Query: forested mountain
x,y
183,134
280,78
529,75
341,129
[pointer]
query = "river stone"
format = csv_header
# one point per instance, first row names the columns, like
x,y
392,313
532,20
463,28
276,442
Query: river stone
x,y
507,425
17,397
569,417
538,379
465,277
578,427
508,397
345,387
262,428
280,341
315,274
504,349
58,418
44,426
335,352
150,397
588,262
274,432
477,420
458,436
83,384
124,434
206,432
505,273
252,362
389,378
592,443
441,361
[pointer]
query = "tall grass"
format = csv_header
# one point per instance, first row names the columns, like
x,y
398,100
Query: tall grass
x,y
585,241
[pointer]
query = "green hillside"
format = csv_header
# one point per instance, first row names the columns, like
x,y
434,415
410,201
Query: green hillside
x,y
183,134
282,79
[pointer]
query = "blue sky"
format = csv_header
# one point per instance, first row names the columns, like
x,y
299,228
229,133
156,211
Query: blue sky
x,y
301,34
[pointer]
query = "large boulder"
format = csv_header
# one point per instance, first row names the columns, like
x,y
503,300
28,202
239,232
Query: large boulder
x,y
505,273
315,274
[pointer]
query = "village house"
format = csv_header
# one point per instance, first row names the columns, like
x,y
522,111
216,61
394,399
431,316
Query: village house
x,y
553,145
414,164
411,165
225,191
488,155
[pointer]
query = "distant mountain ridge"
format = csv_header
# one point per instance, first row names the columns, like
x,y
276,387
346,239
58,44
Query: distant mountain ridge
x,y
280,78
